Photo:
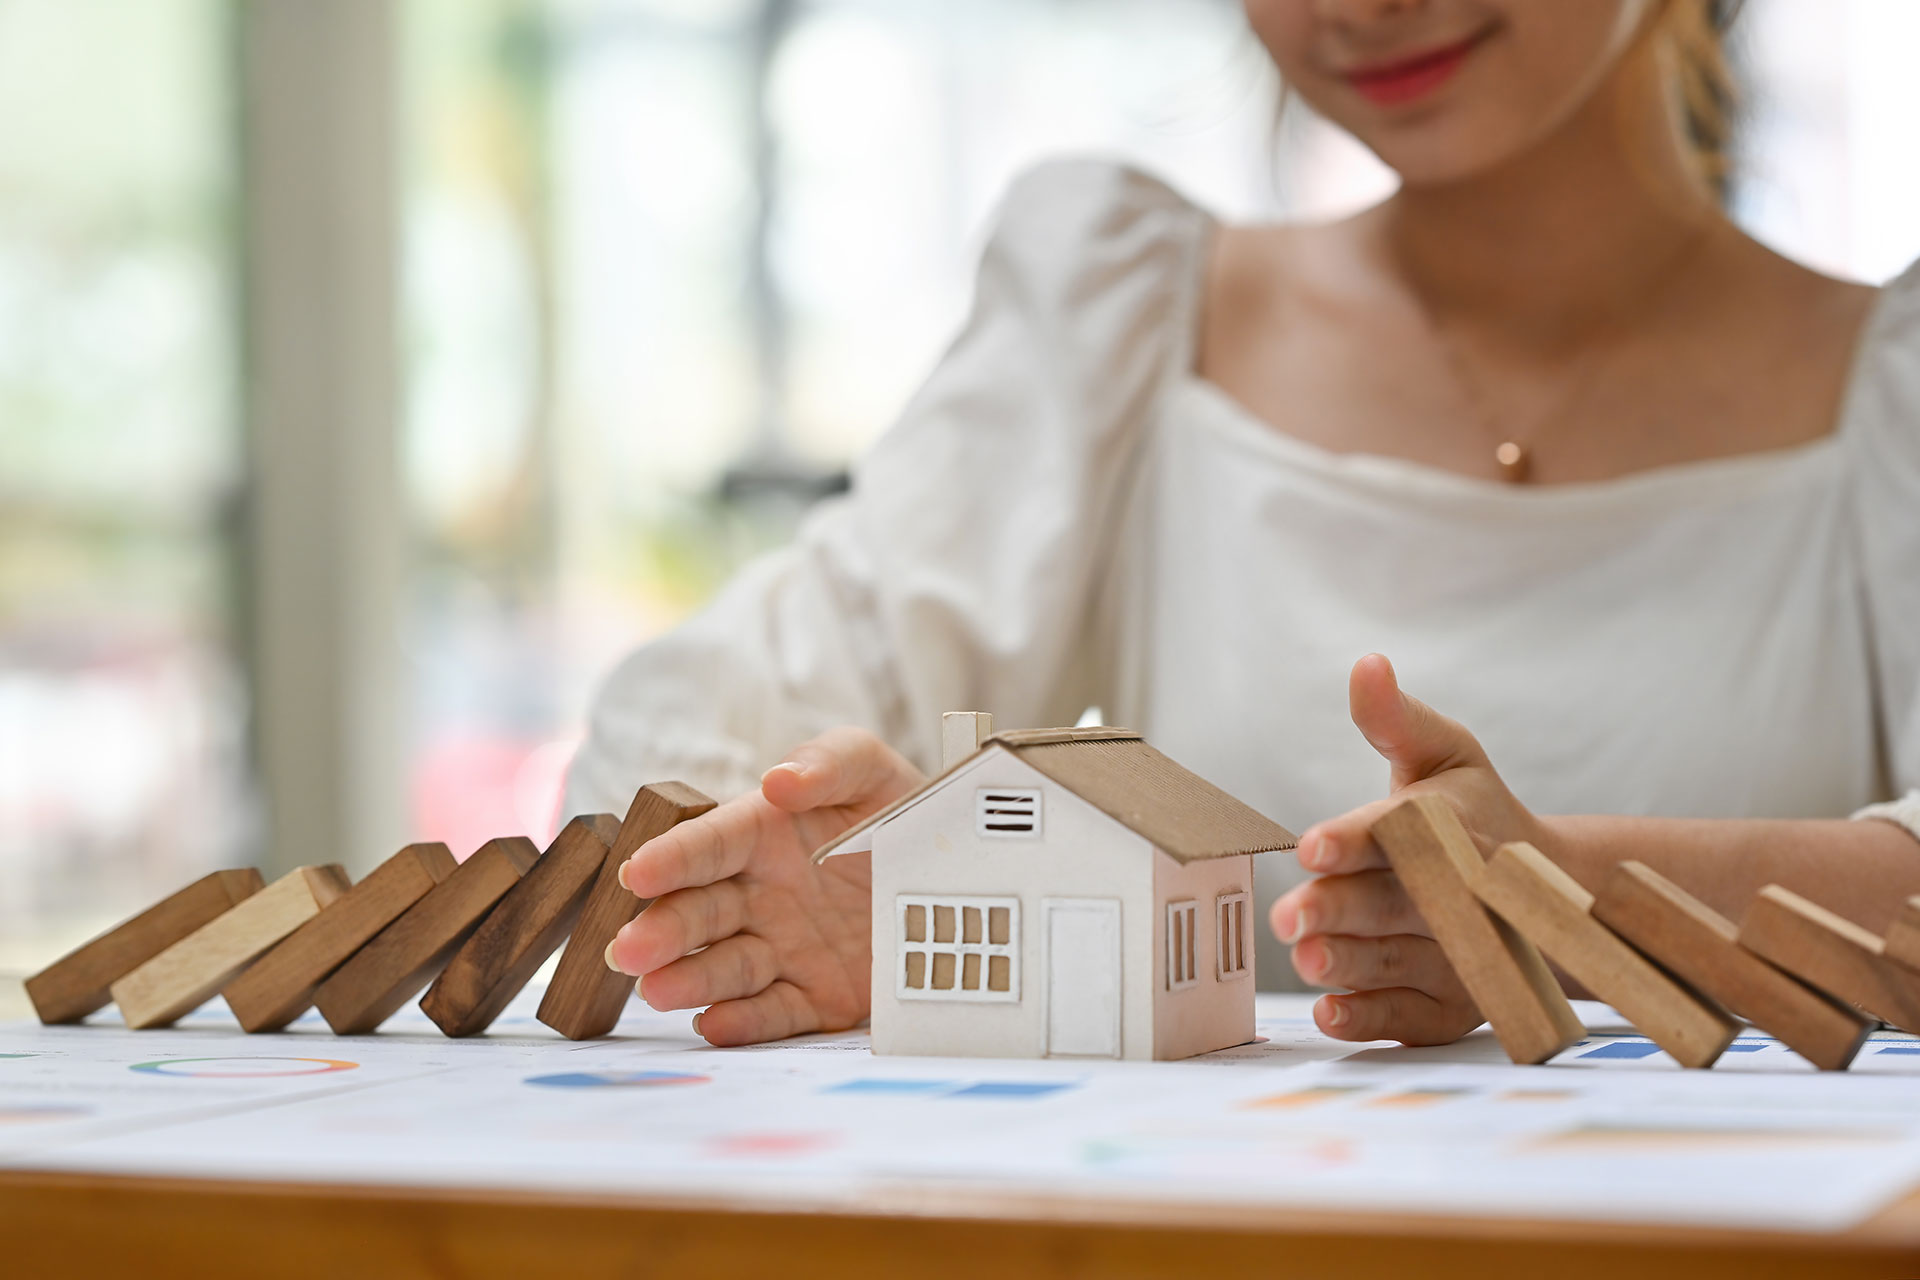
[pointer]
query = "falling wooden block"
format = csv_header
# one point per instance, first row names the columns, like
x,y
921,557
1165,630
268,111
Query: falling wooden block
x,y
280,986
1699,946
187,974
77,983
531,921
585,997
1902,945
1551,909
407,954
1436,861
1832,953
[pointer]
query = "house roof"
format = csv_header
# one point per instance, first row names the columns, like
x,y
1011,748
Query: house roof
x,y
1116,772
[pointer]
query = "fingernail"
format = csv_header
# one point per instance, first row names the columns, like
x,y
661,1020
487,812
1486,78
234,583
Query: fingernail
x,y
1319,853
696,1021
1310,960
1286,922
621,876
1337,1014
609,958
785,766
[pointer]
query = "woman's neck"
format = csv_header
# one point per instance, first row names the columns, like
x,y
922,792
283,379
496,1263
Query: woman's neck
x,y
1570,231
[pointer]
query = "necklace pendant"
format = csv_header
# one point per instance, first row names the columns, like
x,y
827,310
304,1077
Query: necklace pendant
x,y
1514,461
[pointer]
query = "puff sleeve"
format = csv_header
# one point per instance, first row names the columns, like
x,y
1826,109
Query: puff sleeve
x,y
961,569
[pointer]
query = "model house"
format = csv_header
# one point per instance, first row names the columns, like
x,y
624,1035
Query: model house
x,y
1061,893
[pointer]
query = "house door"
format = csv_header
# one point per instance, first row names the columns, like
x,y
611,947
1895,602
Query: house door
x,y
1083,977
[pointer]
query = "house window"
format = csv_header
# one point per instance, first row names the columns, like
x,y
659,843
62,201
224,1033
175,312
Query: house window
x,y
1003,812
958,948
1235,956
1183,952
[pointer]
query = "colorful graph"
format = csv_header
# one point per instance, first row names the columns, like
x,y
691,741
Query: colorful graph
x,y
1304,1097
882,1086
615,1079
247,1068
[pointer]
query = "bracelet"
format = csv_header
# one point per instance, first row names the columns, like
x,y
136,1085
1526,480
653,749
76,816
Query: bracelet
x,y
1904,812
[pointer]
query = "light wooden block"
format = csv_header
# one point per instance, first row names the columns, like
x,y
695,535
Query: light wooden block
x,y
1700,946
77,983
1902,945
1436,861
188,973
1832,953
407,954
532,920
585,997
280,986
1553,910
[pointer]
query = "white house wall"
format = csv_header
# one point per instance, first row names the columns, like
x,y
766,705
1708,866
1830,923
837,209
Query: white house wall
x,y
1210,1014
932,849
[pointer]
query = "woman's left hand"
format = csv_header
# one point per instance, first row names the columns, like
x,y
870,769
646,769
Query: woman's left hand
x,y
1354,926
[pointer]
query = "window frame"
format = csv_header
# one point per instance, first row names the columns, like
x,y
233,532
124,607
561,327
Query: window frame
x,y
1182,950
960,949
981,812
1230,912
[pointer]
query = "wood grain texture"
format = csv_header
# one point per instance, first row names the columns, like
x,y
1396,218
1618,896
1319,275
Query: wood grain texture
x,y
213,1230
532,920
1436,861
1832,953
77,983
407,954
280,986
188,973
585,997
1701,947
1551,909
1902,945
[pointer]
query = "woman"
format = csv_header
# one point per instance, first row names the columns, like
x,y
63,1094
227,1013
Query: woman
x,y
1630,494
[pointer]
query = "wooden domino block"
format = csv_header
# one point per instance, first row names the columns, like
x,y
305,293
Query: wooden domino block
x,y
531,921
585,997
77,983
1550,908
187,974
1832,953
1699,945
280,986
1902,944
407,954
1436,861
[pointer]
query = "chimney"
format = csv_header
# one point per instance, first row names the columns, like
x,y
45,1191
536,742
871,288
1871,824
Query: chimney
x,y
961,733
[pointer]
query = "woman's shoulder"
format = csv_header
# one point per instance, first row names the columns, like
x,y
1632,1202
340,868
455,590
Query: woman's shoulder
x,y
1077,229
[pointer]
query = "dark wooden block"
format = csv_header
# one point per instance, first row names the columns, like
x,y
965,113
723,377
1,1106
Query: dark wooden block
x,y
280,986
78,983
407,954
529,924
585,997
1699,945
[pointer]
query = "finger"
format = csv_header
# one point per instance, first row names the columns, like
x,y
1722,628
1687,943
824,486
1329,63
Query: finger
x,y
1396,1013
774,1014
1370,964
682,921
1342,845
701,850
731,969
1368,904
1416,740
843,766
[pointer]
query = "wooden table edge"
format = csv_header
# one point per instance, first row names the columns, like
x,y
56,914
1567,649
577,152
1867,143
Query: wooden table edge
x,y
84,1223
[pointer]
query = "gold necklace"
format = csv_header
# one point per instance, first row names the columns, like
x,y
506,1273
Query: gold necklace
x,y
1512,451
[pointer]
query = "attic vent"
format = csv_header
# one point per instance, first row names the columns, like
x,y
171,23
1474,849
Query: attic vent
x,y
1005,812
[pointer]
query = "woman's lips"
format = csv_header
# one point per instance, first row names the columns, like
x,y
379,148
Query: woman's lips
x,y
1394,83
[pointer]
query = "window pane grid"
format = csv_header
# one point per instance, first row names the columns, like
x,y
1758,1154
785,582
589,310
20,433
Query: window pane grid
x,y
1232,952
957,948
1182,947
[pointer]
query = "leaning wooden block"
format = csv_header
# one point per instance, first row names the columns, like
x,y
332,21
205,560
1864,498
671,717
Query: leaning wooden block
x,y
530,922
280,986
77,983
1551,908
187,974
407,954
585,997
1903,938
1699,946
1436,861
1831,953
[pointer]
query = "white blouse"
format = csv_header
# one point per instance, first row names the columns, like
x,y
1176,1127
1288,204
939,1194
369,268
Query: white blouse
x,y
1067,516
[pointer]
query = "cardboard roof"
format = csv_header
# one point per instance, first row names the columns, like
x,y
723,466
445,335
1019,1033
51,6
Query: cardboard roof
x,y
1116,772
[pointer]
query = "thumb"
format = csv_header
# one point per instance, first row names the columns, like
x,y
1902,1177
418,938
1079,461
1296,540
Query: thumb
x,y
1415,739
843,766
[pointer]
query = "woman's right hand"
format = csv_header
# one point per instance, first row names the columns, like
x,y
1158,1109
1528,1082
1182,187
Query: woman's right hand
x,y
743,924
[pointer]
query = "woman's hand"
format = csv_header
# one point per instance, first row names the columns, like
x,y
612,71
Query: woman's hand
x,y
1354,926
788,946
